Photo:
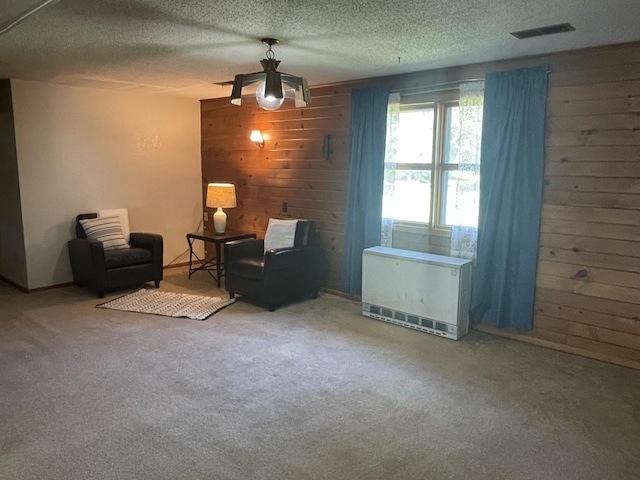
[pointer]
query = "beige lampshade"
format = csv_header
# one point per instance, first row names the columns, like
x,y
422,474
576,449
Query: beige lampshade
x,y
221,195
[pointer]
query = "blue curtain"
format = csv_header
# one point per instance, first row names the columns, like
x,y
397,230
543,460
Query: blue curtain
x,y
511,179
366,175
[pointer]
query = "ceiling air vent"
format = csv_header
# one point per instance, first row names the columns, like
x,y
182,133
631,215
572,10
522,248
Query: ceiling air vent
x,y
537,32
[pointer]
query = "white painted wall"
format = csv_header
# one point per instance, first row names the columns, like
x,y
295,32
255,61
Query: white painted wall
x,y
82,149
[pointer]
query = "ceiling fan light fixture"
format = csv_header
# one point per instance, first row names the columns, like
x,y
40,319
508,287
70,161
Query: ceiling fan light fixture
x,y
271,91
273,85
267,102
236,91
301,93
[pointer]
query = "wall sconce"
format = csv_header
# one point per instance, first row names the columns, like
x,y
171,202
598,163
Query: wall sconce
x,y
256,137
326,147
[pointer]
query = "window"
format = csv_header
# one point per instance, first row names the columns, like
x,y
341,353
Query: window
x,y
427,181
407,190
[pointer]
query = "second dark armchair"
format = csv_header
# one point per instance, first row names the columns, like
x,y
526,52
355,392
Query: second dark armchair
x,y
278,275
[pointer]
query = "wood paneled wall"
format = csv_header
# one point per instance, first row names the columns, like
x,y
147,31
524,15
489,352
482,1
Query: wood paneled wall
x,y
588,285
289,169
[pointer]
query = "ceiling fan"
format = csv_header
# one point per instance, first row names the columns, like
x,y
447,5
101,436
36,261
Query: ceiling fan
x,y
23,16
272,90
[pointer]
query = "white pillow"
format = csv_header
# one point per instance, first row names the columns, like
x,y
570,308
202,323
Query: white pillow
x,y
122,213
106,230
280,234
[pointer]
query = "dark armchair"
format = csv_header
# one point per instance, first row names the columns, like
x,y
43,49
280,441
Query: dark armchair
x,y
101,270
279,275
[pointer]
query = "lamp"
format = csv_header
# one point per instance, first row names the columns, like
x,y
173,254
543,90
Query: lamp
x,y
271,92
219,196
257,138
270,101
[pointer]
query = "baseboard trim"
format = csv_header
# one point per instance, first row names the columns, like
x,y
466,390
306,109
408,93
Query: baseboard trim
x,y
32,290
528,338
51,287
68,284
175,265
339,293
14,284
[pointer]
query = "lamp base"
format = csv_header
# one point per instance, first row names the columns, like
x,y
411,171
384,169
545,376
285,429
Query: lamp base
x,y
219,220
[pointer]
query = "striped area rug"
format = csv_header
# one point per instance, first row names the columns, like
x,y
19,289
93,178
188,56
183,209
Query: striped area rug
x,y
169,304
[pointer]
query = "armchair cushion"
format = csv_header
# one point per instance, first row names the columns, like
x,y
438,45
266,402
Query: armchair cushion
x,y
106,230
127,257
280,234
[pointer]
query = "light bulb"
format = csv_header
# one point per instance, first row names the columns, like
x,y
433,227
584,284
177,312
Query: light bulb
x,y
267,103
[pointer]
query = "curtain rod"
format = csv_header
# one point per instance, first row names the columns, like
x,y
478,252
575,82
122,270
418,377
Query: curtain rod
x,y
438,87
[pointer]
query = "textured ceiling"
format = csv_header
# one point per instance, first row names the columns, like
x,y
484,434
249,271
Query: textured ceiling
x,y
182,47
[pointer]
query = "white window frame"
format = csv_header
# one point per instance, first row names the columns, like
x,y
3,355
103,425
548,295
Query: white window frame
x,y
437,167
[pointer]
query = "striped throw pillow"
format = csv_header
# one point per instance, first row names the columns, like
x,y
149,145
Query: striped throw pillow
x,y
106,230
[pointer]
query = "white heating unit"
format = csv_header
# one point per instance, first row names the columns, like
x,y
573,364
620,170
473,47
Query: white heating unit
x,y
417,290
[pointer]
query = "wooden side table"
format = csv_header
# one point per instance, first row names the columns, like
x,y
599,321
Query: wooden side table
x,y
215,263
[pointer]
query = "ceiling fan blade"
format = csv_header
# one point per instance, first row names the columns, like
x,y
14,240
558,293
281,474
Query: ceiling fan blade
x,y
248,78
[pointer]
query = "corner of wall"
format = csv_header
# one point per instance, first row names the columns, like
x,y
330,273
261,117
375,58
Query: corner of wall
x,y
13,264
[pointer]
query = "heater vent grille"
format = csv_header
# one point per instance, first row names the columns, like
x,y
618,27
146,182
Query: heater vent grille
x,y
410,320
538,32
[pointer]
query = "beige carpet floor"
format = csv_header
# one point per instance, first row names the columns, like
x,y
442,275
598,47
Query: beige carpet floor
x,y
312,391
